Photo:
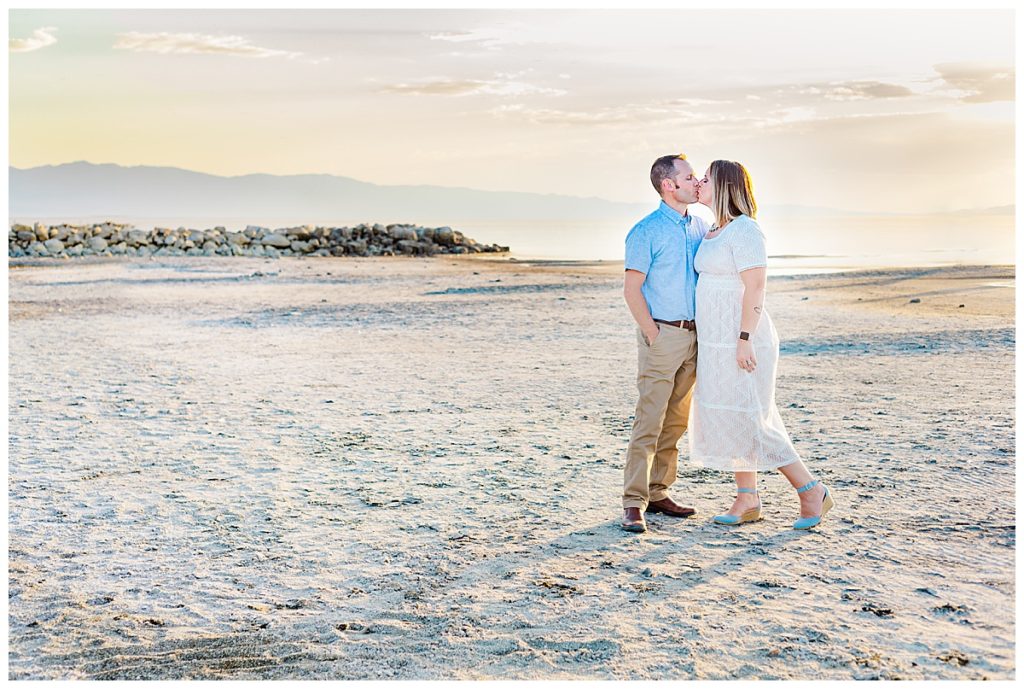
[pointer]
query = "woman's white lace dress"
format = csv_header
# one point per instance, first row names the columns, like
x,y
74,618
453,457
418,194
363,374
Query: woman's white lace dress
x,y
734,424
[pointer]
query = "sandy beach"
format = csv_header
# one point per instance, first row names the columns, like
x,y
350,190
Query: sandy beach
x,y
400,468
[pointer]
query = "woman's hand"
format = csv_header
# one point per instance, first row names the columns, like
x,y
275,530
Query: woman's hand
x,y
745,356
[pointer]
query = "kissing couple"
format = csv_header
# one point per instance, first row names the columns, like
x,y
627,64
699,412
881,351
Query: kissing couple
x,y
690,289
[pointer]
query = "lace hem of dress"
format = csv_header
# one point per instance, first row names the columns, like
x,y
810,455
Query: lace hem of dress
x,y
724,463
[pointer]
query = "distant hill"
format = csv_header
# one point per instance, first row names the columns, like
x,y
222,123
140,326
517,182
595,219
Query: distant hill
x,y
89,191
84,189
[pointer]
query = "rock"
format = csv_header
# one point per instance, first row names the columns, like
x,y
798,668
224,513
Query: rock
x,y
401,232
444,235
915,301
278,241
137,238
877,610
362,240
954,657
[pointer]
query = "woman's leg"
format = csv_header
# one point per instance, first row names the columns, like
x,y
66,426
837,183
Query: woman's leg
x,y
810,500
745,501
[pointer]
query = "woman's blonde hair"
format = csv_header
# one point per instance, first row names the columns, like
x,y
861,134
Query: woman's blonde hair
x,y
734,192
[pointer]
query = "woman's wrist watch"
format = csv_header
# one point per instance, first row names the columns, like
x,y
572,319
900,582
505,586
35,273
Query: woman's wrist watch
x,y
744,335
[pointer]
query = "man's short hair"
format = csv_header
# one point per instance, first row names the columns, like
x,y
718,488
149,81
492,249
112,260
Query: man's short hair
x,y
664,168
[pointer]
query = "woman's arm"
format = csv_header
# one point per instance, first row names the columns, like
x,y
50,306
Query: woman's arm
x,y
754,282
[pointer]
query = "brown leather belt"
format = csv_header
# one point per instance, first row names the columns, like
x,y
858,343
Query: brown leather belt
x,y
689,325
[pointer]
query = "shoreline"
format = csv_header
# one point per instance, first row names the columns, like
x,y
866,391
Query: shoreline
x,y
509,258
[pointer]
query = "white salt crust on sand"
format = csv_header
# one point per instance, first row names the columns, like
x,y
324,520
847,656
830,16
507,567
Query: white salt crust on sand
x,y
370,469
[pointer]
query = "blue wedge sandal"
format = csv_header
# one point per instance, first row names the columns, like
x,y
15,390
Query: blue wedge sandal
x,y
751,515
827,503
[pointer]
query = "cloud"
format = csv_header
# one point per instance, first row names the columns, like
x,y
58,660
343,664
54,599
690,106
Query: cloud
x,y
661,113
501,85
192,44
850,90
865,90
490,38
979,82
40,38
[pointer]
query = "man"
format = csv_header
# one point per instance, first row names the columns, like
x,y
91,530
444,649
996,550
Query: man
x,y
660,290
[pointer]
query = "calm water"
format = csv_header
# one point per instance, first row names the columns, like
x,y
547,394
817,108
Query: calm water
x,y
794,244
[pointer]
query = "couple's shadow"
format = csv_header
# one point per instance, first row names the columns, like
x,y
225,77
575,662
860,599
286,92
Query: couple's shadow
x,y
667,543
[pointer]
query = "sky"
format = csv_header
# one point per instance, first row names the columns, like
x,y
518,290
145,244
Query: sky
x,y
891,111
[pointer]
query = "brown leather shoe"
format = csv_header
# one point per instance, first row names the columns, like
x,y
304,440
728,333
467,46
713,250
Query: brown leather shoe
x,y
633,520
668,507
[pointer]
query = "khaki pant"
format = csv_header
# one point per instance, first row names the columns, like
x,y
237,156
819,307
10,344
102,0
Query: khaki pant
x,y
666,372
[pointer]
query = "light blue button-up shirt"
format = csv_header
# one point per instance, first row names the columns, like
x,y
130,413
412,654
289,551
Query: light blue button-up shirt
x,y
662,247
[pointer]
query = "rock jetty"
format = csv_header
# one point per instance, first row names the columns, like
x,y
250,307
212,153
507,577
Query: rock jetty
x,y
113,239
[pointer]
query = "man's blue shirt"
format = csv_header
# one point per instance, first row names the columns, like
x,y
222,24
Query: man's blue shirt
x,y
662,247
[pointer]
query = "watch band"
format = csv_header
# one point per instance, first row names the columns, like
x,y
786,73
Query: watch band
x,y
744,335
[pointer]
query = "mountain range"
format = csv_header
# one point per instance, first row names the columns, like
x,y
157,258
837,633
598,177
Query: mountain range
x,y
84,191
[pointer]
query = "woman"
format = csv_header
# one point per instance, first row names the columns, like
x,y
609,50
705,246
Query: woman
x,y
734,423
